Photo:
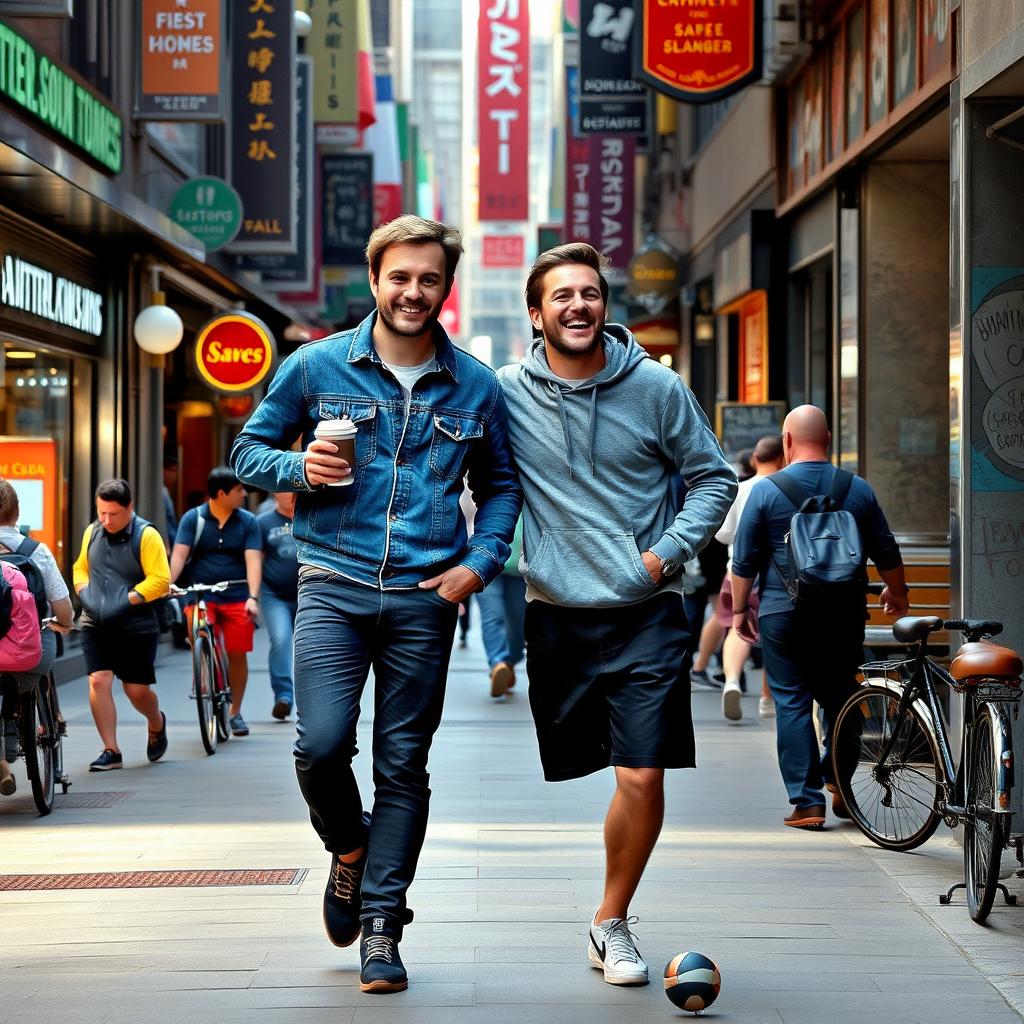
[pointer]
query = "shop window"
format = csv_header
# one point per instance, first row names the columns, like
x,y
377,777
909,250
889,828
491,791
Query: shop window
x,y
35,428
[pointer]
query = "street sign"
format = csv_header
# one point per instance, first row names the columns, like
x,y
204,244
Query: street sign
x,y
346,207
208,208
611,98
234,352
699,53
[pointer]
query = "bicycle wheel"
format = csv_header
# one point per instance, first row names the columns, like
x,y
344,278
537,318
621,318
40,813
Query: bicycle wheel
x,y
38,736
59,731
893,803
205,692
223,697
984,830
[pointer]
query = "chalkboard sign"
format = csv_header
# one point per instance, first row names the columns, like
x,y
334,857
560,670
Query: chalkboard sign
x,y
741,426
347,184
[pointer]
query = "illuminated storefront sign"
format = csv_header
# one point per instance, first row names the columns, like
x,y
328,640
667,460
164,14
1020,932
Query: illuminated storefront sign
x,y
234,352
700,51
504,109
64,105
50,296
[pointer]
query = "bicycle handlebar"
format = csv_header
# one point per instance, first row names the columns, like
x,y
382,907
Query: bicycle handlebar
x,y
204,588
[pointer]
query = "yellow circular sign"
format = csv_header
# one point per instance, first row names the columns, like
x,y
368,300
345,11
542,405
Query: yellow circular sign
x,y
234,352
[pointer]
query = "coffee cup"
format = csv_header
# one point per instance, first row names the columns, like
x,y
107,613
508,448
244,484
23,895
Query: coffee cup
x,y
342,434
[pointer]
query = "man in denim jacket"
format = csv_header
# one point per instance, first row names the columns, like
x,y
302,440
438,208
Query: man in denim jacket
x,y
383,563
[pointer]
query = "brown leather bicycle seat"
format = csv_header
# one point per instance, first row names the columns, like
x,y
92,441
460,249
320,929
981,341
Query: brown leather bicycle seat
x,y
985,659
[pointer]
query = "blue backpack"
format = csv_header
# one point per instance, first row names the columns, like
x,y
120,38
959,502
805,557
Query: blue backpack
x,y
825,553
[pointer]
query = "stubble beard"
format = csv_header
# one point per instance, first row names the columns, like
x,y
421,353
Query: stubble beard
x,y
554,339
428,324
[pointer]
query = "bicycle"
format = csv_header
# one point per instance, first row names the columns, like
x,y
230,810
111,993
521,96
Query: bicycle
x,y
893,760
211,688
41,730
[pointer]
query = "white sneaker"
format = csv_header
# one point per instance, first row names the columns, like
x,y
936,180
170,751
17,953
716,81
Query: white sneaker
x,y
766,707
731,700
612,949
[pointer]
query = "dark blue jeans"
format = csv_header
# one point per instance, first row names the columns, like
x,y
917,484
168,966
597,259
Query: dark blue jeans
x,y
343,629
807,658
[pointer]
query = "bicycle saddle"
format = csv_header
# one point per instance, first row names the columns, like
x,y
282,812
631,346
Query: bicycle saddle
x,y
912,628
984,659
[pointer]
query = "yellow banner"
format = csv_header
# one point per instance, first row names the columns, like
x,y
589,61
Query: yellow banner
x,y
334,45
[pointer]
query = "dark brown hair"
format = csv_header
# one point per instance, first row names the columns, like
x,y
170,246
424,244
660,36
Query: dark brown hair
x,y
768,449
561,256
412,230
9,507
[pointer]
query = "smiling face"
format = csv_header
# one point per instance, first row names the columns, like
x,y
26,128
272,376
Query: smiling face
x,y
572,311
411,287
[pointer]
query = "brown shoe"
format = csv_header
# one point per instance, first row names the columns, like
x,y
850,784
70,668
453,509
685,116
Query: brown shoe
x,y
503,678
838,803
807,817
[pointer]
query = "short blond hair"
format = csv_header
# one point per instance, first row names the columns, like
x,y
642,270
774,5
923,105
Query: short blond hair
x,y
412,230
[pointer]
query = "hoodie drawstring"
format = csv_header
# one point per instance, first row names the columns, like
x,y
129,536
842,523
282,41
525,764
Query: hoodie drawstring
x,y
591,428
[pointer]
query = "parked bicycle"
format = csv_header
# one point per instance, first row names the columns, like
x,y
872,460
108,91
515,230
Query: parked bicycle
x,y
35,720
211,688
894,763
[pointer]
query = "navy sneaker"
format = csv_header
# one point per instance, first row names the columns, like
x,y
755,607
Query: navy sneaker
x,y
238,726
382,969
343,899
107,761
157,745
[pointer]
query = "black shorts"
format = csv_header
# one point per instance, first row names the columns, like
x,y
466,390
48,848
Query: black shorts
x,y
130,656
610,686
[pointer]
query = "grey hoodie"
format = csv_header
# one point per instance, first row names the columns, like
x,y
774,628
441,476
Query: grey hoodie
x,y
599,465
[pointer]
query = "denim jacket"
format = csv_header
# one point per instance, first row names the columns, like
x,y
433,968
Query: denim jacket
x,y
399,522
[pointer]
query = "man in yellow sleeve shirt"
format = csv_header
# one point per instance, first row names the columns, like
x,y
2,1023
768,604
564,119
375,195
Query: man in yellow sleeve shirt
x,y
121,570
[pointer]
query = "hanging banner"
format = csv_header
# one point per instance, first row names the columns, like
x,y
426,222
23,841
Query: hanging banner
x,y
347,208
699,52
294,271
504,109
577,190
181,63
612,191
611,99
262,149
381,139
340,44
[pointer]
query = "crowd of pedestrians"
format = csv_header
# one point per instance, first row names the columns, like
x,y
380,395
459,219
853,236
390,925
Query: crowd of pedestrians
x,y
579,497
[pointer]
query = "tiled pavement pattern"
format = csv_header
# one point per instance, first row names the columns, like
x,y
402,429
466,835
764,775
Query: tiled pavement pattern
x,y
807,928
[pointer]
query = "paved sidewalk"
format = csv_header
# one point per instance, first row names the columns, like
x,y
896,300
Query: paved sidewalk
x,y
806,927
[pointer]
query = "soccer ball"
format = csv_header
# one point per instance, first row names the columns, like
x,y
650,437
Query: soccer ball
x,y
692,981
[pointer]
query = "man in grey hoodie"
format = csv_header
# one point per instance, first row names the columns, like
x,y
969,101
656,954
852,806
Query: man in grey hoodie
x,y
601,434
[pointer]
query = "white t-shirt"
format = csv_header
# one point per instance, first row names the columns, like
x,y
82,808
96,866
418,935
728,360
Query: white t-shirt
x,y
727,531
408,375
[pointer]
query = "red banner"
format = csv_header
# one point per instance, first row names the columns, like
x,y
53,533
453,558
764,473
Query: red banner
x,y
504,251
700,52
577,189
612,192
504,109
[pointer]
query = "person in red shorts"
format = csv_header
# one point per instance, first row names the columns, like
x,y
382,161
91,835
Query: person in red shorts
x,y
221,541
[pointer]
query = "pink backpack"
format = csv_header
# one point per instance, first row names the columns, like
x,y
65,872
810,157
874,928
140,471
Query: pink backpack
x,y
21,646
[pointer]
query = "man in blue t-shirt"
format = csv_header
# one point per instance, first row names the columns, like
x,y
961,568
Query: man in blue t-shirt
x,y
811,652
229,547
280,597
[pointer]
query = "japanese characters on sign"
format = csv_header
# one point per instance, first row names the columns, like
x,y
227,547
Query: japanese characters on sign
x,y
577,190
346,207
504,251
504,109
612,193
611,99
263,124
699,52
294,271
180,70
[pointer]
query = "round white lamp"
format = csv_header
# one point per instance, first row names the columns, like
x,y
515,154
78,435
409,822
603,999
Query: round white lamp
x,y
158,329
302,22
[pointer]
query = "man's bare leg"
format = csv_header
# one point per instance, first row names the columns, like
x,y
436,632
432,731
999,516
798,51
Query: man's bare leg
x,y
631,829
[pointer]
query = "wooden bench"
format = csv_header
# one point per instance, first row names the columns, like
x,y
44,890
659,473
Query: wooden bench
x,y
927,572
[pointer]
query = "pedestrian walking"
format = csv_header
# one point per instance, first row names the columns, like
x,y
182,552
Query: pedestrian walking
x,y
280,595
766,459
383,563
502,605
599,430
812,645
220,541
120,571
